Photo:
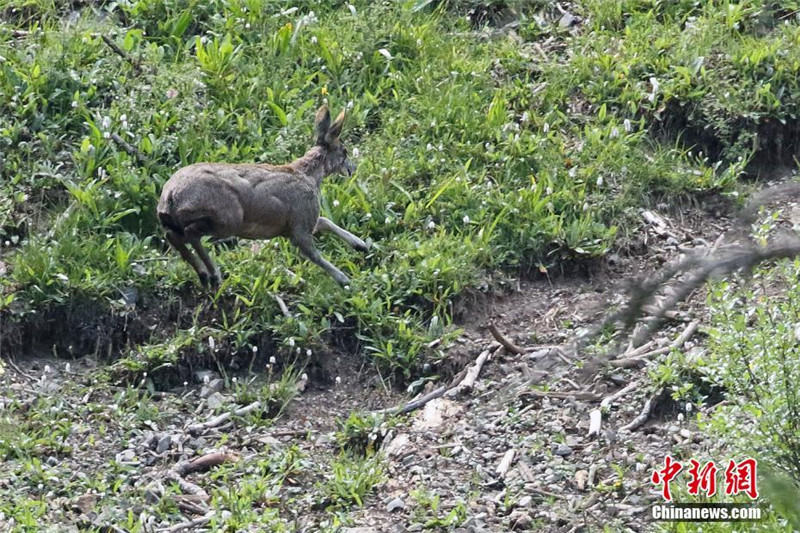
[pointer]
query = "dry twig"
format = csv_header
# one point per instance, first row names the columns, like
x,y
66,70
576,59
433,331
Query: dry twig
x,y
204,462
196,429
505,341
122,53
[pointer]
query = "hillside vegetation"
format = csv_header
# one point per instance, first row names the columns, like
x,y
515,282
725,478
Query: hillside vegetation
x,y
477,155
492,139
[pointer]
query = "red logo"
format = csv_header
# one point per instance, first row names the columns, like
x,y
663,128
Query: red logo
x,y
704,479
665,475
739,477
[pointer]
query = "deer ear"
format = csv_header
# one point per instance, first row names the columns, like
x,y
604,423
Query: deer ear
x,y
322,123
336,128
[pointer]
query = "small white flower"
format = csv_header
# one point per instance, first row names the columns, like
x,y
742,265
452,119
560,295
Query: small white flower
x,y
431,224
291,341
355,152
466,219
546,127
600,181
255,349
627,125
272,360
211,342
338,380
74,104
106,135
106,123
336,203
308,352
206,379
614,133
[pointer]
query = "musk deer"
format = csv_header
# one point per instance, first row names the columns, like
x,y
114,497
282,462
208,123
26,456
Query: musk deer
x,y
257,201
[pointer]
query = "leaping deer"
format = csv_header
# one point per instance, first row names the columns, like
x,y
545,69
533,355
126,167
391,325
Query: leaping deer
x,y
257,201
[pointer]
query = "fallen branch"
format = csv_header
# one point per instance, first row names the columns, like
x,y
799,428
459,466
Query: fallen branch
x,y
640,350
505,463
640,360
472,375
18,370
644,415
453,388
190,524
196,429
584,396
130,149
606,403
595,422
282,306
187,487
204,462
122,53
502,339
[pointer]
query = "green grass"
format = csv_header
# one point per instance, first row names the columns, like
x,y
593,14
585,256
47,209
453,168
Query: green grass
x,y
479,158
474,158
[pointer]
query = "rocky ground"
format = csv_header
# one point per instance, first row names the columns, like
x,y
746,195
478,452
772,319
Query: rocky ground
x,y
511,452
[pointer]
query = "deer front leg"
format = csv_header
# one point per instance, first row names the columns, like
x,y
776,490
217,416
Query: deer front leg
x,y
325,224
305,243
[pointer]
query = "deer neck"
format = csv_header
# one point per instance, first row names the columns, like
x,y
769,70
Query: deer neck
x,y
312,164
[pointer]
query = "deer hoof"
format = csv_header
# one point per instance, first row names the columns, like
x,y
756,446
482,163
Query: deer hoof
x,y
361,246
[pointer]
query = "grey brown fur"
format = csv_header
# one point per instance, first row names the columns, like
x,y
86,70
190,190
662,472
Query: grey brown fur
x,y
256,201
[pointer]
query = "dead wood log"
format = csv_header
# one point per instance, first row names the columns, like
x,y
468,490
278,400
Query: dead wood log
x,y
205,462
644,415
505,341
190,524
196,429
584,396
640,360
505,463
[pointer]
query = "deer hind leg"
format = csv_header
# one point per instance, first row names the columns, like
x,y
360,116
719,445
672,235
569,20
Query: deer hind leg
x,y
179,243
325,224
194,232
305,242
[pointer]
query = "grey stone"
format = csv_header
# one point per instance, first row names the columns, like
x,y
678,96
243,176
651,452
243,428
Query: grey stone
x,y
562,450
164,444
395,505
